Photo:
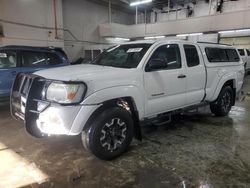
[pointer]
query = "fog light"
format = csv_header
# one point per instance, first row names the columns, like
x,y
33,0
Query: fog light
x,y
50,122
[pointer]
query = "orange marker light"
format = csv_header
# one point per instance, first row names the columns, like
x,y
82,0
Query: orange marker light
x,y
71,96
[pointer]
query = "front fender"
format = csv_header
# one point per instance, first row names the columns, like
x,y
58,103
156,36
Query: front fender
x,y
106,94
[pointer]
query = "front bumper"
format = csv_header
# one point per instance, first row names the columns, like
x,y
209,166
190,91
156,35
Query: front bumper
x,y
39,115
64,120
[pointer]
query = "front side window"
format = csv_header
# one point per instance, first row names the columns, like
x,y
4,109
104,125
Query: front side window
x,y
241,52
33,59
122,56
53,59
192,56
169,54
8,59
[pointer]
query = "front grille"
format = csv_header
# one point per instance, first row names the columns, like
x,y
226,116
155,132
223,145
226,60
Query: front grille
x,y
26,85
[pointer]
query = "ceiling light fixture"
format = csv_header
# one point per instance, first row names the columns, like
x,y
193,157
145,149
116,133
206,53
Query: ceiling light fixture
x,y
243,30
120,38
234,31
194,34
140,2
154,37
190,34
182,35
224,32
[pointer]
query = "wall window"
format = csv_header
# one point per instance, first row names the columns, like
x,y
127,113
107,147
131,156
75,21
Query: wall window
x,y
192,56
33,59
88,55
53,59
8,59
96,53
169,54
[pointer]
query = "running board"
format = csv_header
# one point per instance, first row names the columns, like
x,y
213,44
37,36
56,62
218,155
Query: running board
x,y
156,120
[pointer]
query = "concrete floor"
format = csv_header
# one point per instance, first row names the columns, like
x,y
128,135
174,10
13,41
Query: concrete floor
x,y
197,150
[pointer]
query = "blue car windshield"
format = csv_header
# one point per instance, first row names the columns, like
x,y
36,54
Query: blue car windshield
x,y
122,56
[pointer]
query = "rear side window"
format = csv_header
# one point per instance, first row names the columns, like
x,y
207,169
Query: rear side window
x,y
232,55
8,59
248,52
223,55
218,55
192,56
33,59
53,59
241,52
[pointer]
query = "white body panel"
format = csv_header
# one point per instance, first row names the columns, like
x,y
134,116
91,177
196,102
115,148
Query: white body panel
x,y
152,92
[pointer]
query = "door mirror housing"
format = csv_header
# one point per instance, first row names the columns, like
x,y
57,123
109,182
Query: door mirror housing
x,y
155,64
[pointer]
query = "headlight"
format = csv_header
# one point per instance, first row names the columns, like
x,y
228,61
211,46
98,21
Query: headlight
x,y
66,93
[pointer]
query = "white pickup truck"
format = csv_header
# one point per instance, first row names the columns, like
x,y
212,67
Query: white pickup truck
x,y
245,55
107,100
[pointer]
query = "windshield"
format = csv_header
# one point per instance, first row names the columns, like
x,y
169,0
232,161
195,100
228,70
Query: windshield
x,y
122,56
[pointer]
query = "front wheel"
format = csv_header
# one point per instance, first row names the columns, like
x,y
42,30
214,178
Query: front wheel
x,y
110,134
223,104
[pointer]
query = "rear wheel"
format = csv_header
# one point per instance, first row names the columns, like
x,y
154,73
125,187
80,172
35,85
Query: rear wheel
x,y
110,134
223,104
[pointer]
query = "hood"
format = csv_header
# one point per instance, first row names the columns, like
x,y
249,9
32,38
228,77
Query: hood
x,y
95,76
79,72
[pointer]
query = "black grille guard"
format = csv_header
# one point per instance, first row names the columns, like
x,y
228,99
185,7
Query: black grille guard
x,y
27,91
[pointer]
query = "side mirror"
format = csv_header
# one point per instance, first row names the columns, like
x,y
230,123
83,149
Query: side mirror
x,y
155,64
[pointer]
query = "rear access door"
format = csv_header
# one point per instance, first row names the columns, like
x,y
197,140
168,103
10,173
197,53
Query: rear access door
x,y
196,74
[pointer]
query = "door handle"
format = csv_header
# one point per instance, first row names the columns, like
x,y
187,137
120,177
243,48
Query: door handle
x,y
14,73
182,76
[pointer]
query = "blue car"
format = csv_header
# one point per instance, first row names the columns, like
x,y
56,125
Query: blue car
x,y
16,59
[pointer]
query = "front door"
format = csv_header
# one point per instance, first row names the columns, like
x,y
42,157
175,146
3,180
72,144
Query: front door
x,y
165,88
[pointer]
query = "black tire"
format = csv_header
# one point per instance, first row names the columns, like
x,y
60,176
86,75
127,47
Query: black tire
x,y
224,102
110,133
